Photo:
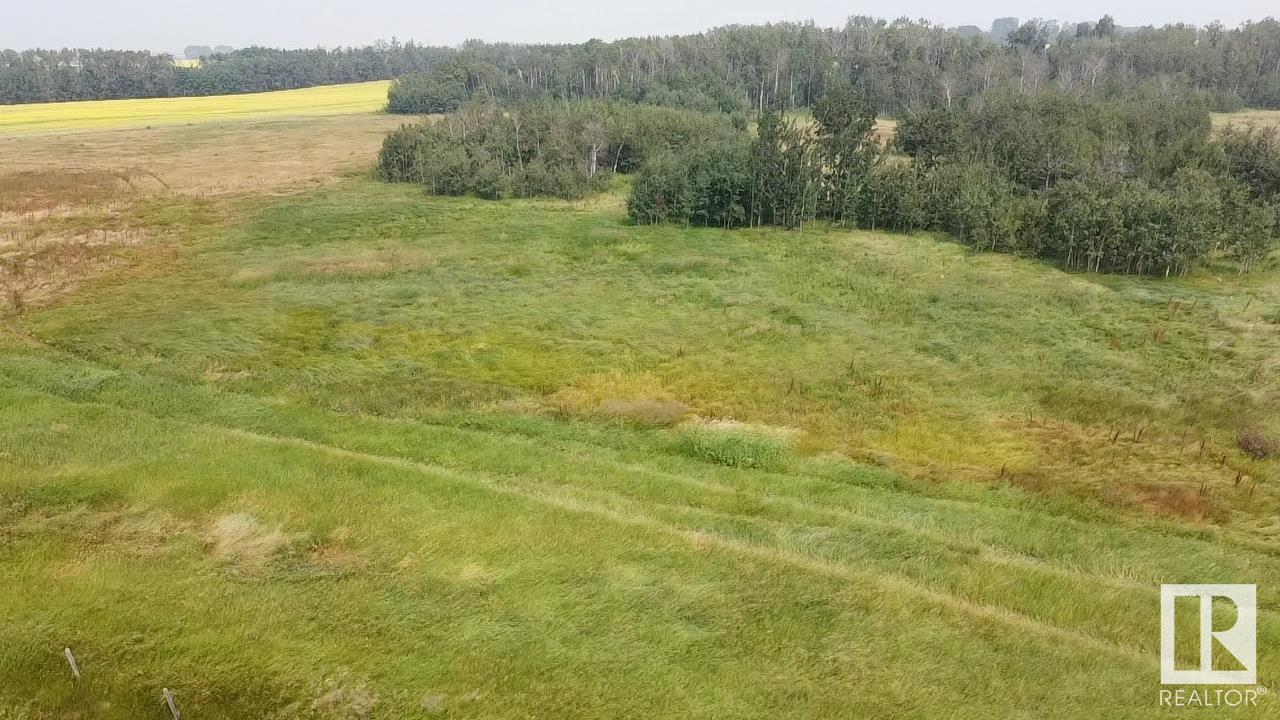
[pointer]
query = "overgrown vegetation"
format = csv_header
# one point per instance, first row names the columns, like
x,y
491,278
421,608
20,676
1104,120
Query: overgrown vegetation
x,y
539,149
1139,186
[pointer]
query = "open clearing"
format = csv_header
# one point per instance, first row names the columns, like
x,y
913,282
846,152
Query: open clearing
x,y
1261,118
294,443
71,204
111,114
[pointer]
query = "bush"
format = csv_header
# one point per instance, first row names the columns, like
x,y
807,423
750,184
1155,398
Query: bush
x,y
445,88
543,149
660,193
1254,443
893,197
708,186
1252,156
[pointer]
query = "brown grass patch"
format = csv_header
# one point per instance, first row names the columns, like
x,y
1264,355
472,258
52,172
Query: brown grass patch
x,y
885,129
1256,118
659,413
62,196
1182,503
38,193
239,538
211,159
345,700
139,531
365,263
1143,467
336,557
36,270
336,553
630,397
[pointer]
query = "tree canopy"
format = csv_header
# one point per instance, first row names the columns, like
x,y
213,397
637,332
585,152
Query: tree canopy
x,y
903,66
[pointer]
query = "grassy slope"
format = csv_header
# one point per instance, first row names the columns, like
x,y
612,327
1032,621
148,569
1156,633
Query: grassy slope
x,y
349,454
114,114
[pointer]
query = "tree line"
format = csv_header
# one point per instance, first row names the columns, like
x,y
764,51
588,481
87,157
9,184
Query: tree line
x,y
84,74
540,148
1099,185
905,66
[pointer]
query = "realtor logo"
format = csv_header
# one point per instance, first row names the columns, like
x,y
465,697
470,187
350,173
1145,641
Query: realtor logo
x,y
1240,640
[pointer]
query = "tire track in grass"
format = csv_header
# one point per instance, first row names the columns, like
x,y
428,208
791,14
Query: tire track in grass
x,y
840,519
888,582
610,506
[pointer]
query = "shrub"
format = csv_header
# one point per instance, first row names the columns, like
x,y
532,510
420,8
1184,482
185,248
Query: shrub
x,y
445,88
559,150
1254,443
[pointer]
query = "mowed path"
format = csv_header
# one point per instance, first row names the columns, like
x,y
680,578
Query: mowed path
x,y
346,99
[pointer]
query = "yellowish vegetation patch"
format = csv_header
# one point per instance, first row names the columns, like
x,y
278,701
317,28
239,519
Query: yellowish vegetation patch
x,y
138,531
339,698
477,573
631,397
363,97
729,425
1257,118
360,264
241,539
931,448
69,202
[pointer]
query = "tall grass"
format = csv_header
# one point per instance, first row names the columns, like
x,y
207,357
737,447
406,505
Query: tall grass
x,y
363,453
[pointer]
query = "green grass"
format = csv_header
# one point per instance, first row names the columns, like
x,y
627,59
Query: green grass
x,y
115,114
365,453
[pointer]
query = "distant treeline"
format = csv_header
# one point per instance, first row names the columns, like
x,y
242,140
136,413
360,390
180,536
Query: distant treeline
x,y
903,66
58,75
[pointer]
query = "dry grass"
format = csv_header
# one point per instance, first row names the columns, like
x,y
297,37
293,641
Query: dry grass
x,y
71,205
243,540
199,160
1261,118
371,263
645,411
885,128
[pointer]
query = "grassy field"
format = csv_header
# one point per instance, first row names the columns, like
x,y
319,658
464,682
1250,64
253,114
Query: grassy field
x,y
112,114
1248,117
340,450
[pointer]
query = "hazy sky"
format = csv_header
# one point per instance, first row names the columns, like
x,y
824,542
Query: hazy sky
x,y
169,25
